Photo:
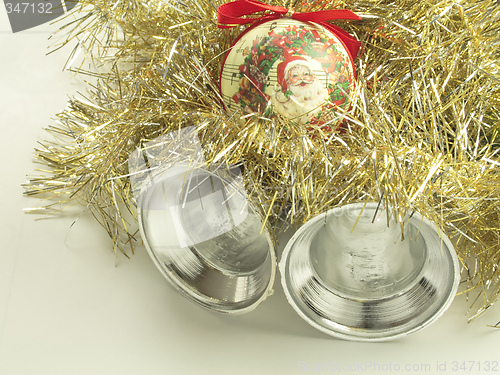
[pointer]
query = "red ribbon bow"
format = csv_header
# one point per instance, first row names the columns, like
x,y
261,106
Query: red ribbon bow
x,y
234,13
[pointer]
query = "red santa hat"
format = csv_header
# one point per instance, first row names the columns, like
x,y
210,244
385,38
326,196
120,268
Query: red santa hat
x,y
285,66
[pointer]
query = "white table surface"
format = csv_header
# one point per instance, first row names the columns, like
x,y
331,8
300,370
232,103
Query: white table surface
x,y
69,306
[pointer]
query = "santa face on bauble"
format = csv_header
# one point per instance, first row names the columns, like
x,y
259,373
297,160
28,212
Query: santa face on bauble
x,y
299,94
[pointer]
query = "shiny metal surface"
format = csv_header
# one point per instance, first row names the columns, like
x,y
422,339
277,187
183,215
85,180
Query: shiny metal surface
x,y
368,284
206,239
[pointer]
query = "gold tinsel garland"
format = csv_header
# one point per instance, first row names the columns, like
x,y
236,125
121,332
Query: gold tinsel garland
x,y
422,132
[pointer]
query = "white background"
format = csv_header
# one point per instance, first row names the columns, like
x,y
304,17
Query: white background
x,y
69,306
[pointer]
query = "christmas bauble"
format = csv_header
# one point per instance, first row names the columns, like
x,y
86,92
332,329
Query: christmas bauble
x,y
303,71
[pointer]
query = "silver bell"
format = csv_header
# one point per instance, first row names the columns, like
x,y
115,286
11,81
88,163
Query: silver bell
x,y
206,239
350,274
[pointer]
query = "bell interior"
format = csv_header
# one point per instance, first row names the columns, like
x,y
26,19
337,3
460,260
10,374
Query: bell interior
x,y
356,274
207,240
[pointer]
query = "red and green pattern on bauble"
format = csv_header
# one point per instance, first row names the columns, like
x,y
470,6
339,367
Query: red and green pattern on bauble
x,y
300,70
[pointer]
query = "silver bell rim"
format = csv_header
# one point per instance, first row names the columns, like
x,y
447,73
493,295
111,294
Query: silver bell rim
x,y
352,313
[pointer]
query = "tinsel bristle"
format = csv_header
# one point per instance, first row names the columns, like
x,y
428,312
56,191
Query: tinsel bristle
x,y
422,133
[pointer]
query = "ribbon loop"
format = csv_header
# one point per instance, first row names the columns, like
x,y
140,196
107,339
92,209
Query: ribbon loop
x,y
237,12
